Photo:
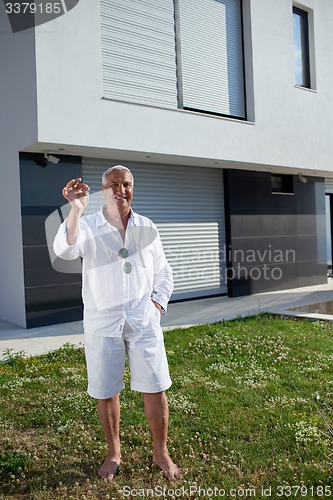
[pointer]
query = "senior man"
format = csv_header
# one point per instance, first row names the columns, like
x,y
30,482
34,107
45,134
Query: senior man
x,y
126,286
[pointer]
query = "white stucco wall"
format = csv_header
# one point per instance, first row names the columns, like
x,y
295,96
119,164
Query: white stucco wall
x,y
292,125
18,128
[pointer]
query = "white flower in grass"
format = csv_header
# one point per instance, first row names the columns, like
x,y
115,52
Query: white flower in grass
x,y
284,402
213,385
219,367
306,434
182,403
257,377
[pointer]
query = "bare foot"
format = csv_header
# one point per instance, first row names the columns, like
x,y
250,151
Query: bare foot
x,y
170,470
109,469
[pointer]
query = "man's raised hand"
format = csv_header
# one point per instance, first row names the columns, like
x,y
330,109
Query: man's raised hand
x,y
76,193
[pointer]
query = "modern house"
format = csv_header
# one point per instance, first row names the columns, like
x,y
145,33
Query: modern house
x,y
223,110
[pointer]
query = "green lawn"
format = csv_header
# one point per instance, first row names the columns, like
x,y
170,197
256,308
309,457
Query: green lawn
x,y
251,415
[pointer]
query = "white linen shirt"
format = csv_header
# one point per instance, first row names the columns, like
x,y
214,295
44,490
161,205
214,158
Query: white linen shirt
x,y
111,296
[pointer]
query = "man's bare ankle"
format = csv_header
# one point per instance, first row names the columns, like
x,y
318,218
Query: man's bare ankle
x,y
161,452
113,457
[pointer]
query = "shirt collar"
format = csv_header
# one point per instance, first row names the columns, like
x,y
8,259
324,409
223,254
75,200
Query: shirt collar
x,y
101,220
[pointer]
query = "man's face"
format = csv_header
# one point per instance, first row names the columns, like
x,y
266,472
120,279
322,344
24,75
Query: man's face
x,y
118,191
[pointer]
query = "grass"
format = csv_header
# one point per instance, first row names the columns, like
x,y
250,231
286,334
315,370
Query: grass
x,y
251,408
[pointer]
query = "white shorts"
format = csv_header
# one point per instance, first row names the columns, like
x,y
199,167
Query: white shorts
x,y
105,358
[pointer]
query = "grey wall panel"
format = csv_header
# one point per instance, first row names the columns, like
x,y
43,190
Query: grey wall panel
x,y
50,297
138,51
274,241
187,205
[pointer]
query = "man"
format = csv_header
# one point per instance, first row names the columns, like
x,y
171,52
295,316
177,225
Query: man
x,y
126,286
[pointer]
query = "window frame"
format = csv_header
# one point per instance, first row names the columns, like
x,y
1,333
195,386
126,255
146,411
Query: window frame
x,y
180,70
305,47
285,186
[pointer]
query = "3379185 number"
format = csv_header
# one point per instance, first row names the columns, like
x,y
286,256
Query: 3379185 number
x,y
33,8
303,491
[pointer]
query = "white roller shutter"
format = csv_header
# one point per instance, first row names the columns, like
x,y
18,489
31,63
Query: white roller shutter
x,y
212,56
187,205
138,51
328,185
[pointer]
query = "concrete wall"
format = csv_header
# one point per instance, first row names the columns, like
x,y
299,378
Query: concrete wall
x,y
18,129
292,125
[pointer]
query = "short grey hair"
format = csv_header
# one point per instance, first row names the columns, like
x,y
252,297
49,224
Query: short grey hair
x,y
111,169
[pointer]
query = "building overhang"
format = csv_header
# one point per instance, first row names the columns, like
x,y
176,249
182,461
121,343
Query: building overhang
x,y
167,159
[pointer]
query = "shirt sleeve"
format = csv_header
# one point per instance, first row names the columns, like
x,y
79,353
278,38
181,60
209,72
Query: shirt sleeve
x,y
65,251
163,280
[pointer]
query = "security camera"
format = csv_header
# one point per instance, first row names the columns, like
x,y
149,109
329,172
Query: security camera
x,y
51,159
302,178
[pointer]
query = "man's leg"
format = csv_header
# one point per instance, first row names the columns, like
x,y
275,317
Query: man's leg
x,y
157,413
109,417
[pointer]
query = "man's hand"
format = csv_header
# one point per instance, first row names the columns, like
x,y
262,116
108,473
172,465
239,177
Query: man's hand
x,y
76,193
158,306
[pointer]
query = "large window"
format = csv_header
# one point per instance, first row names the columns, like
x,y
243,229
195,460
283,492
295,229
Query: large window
x,y
185,54
301,47
211,56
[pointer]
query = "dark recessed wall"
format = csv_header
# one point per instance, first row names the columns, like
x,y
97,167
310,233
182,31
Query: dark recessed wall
x,y
274,241
50,296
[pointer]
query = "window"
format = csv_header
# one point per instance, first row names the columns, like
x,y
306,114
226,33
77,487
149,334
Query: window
x,y
211,53
301,47
185,54
138,51
282,184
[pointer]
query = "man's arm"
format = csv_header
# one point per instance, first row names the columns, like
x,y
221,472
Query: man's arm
x,y
76,193
65,243
72,225
163,279
159,307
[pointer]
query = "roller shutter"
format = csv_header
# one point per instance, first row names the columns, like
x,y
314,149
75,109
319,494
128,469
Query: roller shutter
x,y
328,185
187,205
211,48
138,51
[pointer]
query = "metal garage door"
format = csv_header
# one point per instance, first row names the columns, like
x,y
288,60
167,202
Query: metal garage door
x,y
187,205
328,186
